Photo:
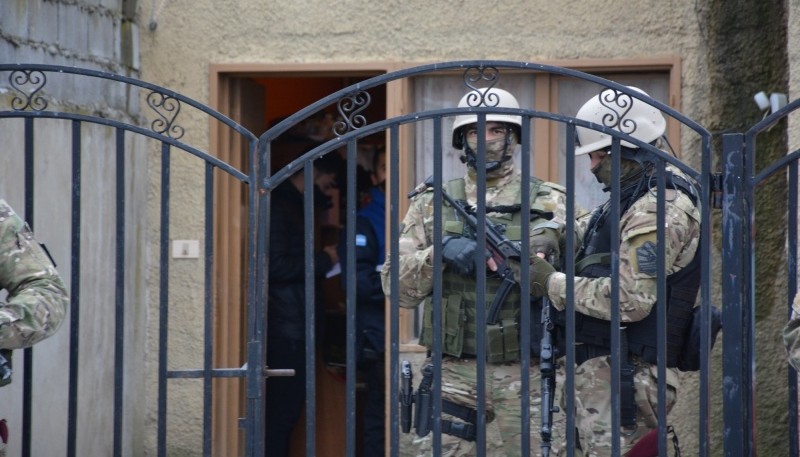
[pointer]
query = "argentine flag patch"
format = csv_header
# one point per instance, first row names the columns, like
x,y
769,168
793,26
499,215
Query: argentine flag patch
x,y
361,240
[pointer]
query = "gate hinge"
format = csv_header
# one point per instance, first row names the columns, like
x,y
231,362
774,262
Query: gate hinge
x,y
716,190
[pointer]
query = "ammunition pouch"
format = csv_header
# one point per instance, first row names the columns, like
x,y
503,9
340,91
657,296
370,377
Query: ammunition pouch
x,y
502,340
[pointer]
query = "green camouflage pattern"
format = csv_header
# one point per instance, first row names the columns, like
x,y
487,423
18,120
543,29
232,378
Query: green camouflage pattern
x,y
791,334
416,231
37,298
637,295
459,375
503,410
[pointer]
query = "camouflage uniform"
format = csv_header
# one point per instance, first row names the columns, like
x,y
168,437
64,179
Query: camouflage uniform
x,y
637,295
37,299
459,375
791,334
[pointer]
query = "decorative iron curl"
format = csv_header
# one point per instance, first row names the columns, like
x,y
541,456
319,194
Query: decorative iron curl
x,y
167,108
349,108
33,100
475,97
619,105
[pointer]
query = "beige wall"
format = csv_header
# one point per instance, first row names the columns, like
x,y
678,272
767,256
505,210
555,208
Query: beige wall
x,y
191,35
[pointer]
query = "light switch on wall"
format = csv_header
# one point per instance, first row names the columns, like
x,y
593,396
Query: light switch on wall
x,y
185,249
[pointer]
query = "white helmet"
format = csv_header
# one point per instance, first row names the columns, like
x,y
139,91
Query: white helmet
x,y
621,112
493,98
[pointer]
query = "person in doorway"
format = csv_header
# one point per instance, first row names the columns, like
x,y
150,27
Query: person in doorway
x,y
286,316
637,270
459,251
370,252
37,299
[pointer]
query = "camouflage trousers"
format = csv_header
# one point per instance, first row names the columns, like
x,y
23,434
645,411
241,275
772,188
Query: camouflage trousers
x,y
503,408
593,404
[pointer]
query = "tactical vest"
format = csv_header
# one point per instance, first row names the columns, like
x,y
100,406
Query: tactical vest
x,y
459,296
639,336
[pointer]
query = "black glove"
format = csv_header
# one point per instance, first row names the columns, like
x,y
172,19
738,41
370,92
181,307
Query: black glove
x,y
459,254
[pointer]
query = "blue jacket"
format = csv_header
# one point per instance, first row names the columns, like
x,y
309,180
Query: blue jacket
x,y
370,249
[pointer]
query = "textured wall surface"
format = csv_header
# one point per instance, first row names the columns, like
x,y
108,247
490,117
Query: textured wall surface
x,y
172,43
98,36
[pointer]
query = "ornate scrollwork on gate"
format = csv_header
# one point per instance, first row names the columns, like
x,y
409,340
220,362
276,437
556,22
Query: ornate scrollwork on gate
x,y
618,104
167,108
28,83
474,75
350,107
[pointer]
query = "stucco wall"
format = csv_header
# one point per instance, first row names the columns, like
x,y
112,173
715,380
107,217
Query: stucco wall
x,y
189,35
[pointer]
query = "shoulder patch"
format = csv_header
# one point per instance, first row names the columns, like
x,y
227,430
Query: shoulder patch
x,y
361,240
646,258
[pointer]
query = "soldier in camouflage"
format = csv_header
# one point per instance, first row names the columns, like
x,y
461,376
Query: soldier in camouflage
x,y
37,299
415,275
637,265
791,334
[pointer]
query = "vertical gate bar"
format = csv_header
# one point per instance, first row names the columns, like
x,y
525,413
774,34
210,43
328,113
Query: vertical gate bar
x,y
661,305
436,318
350,374
480,292
394,310
737,361
208,312
258,225
74,300
27,354
163,300
706,193
791,269
569,267
616,330
525,292
119,292
308,207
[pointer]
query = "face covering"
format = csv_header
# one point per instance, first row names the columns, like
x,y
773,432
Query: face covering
x,y
628,169
498,154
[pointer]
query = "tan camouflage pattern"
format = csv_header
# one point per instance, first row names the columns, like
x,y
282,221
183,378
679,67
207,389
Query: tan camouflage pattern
x,y
503,409
791,334
459,375
637,289
416,231
593,404
37,298
637,292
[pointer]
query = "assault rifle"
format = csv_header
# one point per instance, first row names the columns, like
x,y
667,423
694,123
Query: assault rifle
x,y
501,250
547,367
499,246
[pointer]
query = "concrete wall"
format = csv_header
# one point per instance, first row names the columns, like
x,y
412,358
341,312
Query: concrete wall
x,y
95,35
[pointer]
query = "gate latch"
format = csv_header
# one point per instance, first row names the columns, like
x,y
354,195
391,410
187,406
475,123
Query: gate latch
x,y
716,190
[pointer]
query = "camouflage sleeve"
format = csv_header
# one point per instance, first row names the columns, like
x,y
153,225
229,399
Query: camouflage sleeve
x,y
415,278
637,260
791,335
37,299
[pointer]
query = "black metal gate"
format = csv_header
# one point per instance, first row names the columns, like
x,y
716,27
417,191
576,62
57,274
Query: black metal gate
x,y
734,187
